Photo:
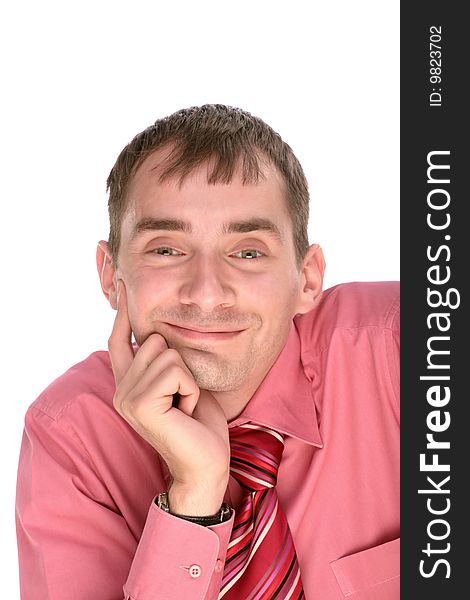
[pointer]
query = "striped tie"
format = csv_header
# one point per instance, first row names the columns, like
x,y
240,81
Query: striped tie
x,y
261,563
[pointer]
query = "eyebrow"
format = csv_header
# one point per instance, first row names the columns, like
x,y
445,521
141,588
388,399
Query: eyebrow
x,y
256,224
151,224
245,226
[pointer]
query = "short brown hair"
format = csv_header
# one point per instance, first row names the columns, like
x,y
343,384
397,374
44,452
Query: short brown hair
x,y
219,135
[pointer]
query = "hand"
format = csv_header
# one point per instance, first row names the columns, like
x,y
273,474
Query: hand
x,y
192,438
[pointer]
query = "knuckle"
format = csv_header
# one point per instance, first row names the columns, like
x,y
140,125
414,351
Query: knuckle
x,y
173,355
140,409
173,371
157,340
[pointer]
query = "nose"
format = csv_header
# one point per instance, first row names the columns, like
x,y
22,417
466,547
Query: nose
x,y
206,286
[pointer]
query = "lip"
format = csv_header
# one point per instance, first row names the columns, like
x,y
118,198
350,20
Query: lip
x,y
204,334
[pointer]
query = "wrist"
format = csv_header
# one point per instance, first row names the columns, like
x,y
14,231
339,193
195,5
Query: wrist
x,y
221,516
197,502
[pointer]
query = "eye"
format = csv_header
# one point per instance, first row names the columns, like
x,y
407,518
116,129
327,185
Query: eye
x,y
248,254
166,251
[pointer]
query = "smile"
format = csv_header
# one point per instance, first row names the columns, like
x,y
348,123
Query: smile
x,y
204,334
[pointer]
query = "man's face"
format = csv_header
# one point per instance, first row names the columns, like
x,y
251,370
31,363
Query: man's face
x,y
211,268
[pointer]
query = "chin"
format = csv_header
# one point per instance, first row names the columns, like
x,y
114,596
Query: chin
x,y
213,386
207,379
216,375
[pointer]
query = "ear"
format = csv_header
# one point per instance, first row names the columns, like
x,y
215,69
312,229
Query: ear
x,y
107,273
312,271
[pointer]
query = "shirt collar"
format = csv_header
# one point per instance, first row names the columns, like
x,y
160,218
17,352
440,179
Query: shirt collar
x,y
284,400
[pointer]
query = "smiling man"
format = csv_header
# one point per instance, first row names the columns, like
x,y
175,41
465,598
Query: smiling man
x,y
240,438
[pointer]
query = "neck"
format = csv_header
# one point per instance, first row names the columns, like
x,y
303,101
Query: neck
x,y
234,402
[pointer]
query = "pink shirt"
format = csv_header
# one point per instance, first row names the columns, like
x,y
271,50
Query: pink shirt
x,y
87,523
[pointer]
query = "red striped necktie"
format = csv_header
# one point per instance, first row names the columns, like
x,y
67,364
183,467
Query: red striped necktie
x,y
261,563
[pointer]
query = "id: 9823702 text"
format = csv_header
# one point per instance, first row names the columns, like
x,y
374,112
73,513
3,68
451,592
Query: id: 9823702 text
x,y
435,65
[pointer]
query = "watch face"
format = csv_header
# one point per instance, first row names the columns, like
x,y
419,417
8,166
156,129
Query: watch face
x,y
225,513
162,502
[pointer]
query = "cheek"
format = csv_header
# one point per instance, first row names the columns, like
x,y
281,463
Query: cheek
x,y
146,290
275,295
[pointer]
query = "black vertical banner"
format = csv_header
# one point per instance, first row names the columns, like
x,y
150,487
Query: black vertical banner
x,y
435,259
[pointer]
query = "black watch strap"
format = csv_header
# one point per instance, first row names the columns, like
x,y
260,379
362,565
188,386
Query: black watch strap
x,y
223,515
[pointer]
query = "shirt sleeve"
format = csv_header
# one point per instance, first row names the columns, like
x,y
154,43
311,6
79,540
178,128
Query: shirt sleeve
x,y
392,349
192,558
74,544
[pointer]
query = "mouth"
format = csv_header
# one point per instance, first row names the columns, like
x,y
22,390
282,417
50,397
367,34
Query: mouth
x,y
209,334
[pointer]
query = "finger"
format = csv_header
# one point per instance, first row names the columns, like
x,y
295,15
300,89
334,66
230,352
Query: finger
x,y
207,410
155,396
188,393
166,375
188,403
136,375
120,348
155,367
152,347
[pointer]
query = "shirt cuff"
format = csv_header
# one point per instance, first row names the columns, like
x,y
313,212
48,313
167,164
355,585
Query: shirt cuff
x,y
178,559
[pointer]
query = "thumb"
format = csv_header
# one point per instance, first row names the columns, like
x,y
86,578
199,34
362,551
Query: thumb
x,y
209,412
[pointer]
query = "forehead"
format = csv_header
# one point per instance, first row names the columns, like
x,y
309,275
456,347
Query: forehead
x,y
195,198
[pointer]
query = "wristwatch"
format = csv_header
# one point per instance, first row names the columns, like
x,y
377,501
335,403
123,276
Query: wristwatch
x,y
223,515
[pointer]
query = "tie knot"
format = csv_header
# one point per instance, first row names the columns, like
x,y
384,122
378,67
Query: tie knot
x,y
255,456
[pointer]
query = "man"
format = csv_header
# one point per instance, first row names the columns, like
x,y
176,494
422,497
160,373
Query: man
x,y
246,445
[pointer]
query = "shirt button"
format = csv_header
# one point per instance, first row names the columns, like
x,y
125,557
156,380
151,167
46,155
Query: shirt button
x,y
218,566
195,571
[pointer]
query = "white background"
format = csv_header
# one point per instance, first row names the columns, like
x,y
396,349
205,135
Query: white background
x,y
79,80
